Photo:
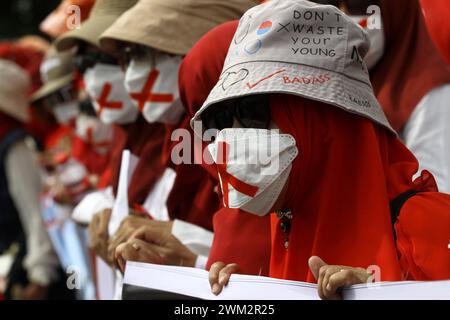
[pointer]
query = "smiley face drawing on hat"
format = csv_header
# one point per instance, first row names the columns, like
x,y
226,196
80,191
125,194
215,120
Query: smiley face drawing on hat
x,y
290,47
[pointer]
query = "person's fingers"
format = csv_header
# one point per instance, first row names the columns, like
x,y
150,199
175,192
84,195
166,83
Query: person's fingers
x,y
315,263
103,224
324,282
321,275
214,277
150,233
121,236
94,222
119,256
327,293
225,273
336,281
111,249
92,228
137,250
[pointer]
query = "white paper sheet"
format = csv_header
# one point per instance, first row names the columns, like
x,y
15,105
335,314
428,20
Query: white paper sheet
x,y
121,207
105,280
193,282
156,200
403,290
92,203
108,281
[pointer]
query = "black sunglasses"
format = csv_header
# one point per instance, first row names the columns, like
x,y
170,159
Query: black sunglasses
x,y
251,112
86,107
86,60
128,51
62,95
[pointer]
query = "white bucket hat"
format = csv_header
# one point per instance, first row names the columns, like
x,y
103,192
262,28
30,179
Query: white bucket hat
x,y
14,89
57,71
301,48
101,17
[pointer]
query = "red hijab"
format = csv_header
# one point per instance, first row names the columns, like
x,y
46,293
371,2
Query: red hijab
x,y
86,153
340,188
411,66
145,141
193,197
238,236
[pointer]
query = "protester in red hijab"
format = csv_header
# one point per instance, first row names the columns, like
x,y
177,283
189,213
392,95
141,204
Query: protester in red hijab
x,y
198,74
152,62
104,83
343,180
231,227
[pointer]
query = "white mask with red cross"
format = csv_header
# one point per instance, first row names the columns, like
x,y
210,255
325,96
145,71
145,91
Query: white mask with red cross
x,y
253,166
94,132
105,86
152,83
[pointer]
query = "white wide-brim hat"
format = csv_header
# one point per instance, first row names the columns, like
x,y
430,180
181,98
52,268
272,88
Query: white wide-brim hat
x,y
300,48
15,85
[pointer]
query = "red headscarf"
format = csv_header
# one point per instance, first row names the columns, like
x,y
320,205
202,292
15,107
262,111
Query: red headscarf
x,y
436,13
238,236
340,188
411,66
145,141
86,153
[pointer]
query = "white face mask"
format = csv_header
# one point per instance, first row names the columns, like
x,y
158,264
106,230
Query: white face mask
x,y
152,83
66,112
94,132
105,86
72,172
377,39
254,166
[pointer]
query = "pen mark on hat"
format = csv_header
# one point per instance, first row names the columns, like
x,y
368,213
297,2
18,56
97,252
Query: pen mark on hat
x,y
232,78
284,27
242,33
253,47
252,86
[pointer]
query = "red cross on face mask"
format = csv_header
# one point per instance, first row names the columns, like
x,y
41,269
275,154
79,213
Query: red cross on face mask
x,y
104,103
146,95
91,141
226,178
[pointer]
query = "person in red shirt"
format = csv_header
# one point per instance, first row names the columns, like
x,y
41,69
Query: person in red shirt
x,y
343,201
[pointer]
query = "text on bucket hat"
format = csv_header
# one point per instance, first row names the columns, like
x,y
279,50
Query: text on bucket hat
x,y
14,89
173,26
102,16
300,48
